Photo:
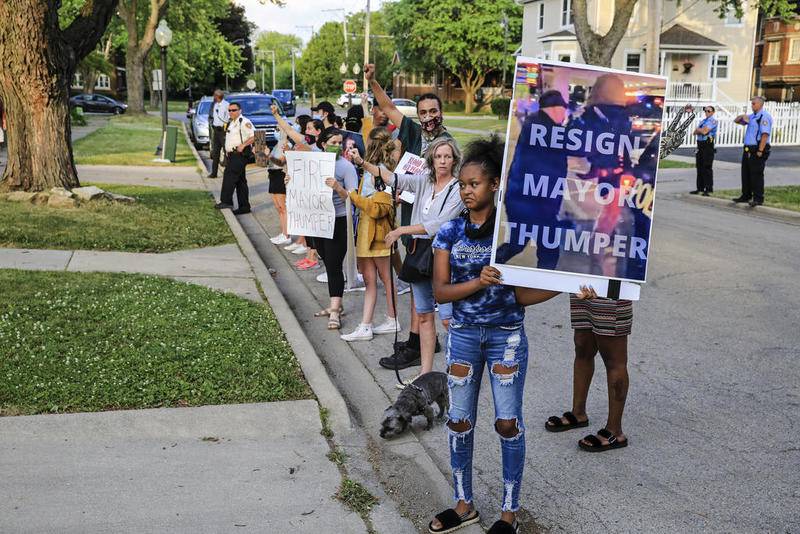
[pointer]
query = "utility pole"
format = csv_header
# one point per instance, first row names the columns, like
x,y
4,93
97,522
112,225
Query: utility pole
x,y
504,24
273,67
366,42
293,88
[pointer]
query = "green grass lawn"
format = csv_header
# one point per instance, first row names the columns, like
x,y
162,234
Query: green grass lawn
x,y
74,342
487,124
129,140
673,164
786,197
172,106
161,220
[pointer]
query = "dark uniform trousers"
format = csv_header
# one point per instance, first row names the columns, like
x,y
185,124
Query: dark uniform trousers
x,y
704,161
753,173
235,179
217,146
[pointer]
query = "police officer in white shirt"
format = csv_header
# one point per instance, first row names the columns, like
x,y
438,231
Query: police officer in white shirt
x,y
218,118
239,138
757,136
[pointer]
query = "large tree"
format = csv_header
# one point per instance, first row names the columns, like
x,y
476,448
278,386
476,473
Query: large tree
x,y
599,49
39,60
466,38
318,67
282,44
141,19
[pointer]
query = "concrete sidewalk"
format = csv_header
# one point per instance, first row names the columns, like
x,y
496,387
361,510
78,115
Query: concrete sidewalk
x,y
222,268
172,177
244,468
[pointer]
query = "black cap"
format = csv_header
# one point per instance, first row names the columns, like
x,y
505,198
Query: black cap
x,y
551,99
325,106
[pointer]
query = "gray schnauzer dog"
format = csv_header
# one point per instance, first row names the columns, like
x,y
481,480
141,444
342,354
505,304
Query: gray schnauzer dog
x,y
416,399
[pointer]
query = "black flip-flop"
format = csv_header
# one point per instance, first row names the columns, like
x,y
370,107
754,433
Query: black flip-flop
x,y
502,527
451,521
555,424
595,445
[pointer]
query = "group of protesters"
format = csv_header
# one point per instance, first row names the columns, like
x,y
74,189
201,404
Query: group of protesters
x,y
446,233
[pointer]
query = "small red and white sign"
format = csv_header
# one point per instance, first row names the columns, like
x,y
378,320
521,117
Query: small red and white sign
x,y
350,86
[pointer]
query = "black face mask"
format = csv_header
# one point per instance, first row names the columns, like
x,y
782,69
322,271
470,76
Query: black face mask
x,y
483,231
311,139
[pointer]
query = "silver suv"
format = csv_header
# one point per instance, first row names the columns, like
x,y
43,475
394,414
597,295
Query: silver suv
x,y
198,123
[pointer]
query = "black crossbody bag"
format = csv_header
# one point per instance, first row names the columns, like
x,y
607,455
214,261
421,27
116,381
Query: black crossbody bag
x,y
418,264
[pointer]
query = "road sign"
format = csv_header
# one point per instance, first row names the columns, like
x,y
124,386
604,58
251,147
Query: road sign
x,y
350,86
156,77
251,84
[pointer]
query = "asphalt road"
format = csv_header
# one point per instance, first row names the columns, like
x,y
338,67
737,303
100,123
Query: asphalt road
x,y
781,156
715,389
715,385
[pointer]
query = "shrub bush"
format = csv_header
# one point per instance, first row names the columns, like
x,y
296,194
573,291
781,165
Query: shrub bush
x,y
76,117
500,107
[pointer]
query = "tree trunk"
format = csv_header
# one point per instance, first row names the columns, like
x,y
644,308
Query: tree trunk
x,y
599,49
34,88
134,75
89,81
471,82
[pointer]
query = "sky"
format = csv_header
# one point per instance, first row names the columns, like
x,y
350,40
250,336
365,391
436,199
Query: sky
x,y
301,12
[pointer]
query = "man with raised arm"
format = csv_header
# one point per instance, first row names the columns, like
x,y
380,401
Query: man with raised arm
x,y
415,138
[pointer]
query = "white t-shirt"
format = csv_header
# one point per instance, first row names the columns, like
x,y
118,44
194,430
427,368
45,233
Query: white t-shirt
x,y
239,131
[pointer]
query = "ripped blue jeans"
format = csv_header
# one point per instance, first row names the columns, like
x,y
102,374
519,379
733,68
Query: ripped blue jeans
x,y
503,350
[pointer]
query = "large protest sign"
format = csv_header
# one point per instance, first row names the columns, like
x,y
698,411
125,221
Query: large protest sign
x,y
579,176
309,202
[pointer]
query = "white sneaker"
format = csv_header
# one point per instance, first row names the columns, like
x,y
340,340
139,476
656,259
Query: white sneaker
x,y
292,246
390,326
281,239
323,278
302,249
402,287
362,333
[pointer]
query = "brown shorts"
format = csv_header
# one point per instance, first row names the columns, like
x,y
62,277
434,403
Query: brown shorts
x,y
604,317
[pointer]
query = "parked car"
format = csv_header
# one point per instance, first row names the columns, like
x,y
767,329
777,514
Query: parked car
x,y
198,122
287,99
256,107
344,100
407,107
98,104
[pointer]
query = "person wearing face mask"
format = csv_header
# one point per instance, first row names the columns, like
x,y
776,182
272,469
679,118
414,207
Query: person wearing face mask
x,y
324,111
415,138
547,161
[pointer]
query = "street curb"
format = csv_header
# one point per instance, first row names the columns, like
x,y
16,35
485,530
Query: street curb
x,y
328,396
368,400
788,215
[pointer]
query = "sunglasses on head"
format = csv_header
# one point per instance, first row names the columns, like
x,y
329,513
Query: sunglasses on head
x,y
234,109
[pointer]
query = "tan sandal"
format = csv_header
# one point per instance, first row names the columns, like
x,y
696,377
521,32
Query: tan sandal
x,y
327,311
334,323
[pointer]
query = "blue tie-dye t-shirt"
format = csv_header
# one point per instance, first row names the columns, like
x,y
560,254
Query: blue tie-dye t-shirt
x,y
492,306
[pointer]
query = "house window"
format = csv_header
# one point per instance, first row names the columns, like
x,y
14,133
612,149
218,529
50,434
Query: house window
x,y
540,25
566,13
773,52
794,50
720,66
633,62
103,82
77,80
566,58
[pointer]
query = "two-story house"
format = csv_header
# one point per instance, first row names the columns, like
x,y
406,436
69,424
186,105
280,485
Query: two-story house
x,y
780,60
707,58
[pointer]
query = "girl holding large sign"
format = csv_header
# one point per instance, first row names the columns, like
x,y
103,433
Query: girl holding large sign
x,y
486,331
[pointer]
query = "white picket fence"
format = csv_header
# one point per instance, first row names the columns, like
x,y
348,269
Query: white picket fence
x,y
785,124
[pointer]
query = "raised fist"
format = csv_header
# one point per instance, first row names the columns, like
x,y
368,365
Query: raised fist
x,y
369,71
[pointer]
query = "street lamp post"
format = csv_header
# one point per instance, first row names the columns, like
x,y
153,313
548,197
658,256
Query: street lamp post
x,y
504,24
164,39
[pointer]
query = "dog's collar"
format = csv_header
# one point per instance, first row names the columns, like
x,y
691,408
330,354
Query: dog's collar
x,y
424,393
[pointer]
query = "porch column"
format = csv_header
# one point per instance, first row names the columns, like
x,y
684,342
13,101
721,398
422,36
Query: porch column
x,y
663,68
712,57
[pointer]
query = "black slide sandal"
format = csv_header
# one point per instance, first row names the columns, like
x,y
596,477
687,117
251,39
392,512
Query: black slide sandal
x,y
502,527
451,521
597,446
555,424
